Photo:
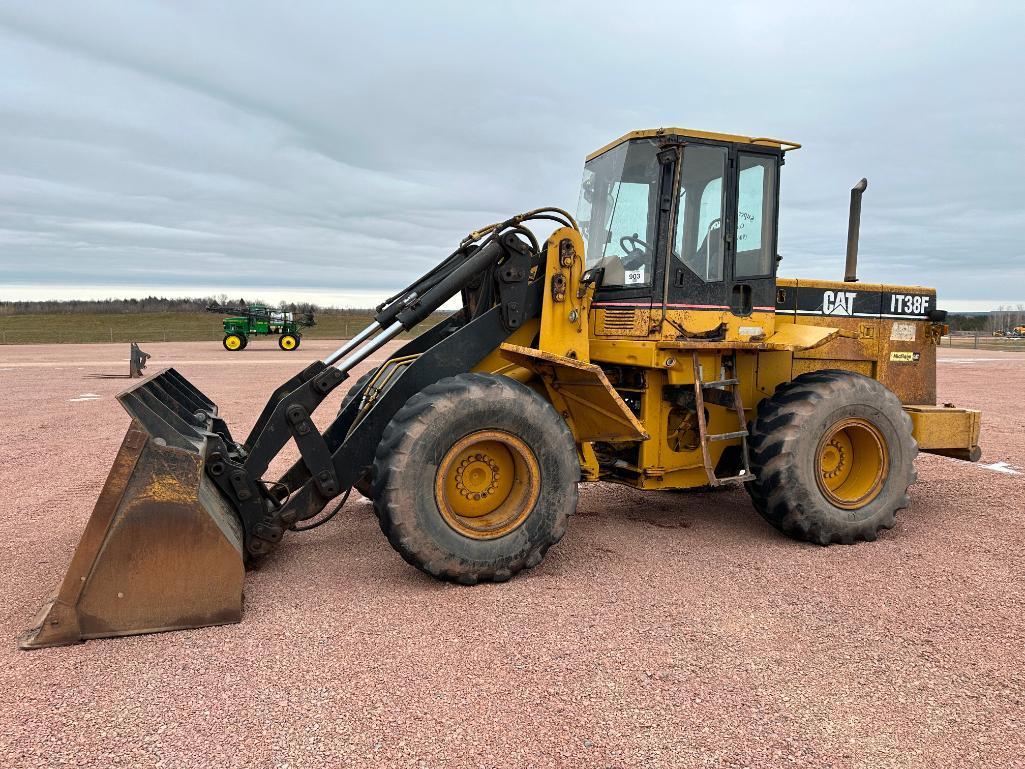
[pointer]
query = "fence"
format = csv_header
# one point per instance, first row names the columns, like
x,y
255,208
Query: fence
x,y
983,341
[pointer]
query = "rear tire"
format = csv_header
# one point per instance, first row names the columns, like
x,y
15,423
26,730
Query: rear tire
x,y
833,456
475,478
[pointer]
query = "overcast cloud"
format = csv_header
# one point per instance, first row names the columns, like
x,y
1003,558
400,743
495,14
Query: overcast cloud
x,y
334,150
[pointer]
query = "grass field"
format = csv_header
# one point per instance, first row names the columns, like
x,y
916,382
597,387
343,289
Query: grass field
x,y
84,328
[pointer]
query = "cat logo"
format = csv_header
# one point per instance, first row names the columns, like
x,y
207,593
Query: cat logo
x,y
838,302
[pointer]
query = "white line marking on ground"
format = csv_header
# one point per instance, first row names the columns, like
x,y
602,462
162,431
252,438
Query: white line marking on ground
x,y
85,397
968,360
1002,467
995,467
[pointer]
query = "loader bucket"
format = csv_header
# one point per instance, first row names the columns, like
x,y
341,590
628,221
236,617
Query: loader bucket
x,y
162,549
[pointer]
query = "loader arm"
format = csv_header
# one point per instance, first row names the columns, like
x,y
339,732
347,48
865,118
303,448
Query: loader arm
x,y
330,461
185,504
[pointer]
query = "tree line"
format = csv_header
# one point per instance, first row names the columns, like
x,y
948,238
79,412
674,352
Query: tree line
x,y
1007,317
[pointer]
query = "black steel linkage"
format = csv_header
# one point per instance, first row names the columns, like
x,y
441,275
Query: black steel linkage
x,y
513,278
455,280
298,474
332,461
276,430
456,354
304,376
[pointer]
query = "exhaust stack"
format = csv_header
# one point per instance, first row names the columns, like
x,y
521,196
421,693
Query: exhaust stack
x,y
853,230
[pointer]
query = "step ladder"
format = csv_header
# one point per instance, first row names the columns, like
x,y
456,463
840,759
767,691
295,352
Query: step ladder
x,y
731,385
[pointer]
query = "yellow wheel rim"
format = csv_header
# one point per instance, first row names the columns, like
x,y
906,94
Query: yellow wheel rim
x,y
233,342
487,484
288,342
851,463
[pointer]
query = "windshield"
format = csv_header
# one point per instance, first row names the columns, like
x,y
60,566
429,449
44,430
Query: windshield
x,y
616,213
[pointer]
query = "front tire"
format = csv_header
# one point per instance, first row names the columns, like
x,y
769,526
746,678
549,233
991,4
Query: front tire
x,y
288,342
833,456
475,478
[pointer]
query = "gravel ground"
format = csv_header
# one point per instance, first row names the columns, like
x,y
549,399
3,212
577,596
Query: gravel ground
x,y
665,630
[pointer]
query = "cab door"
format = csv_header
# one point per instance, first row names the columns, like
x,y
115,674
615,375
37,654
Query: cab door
x,y
721,263
751,244
697,292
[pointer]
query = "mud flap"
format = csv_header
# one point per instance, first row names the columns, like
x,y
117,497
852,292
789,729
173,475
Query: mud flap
x,y
162,549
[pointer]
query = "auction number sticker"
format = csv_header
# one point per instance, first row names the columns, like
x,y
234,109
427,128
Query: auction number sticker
x,y
634,277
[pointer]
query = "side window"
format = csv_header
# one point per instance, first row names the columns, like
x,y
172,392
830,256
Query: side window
x,y
699,233
628,232
756,216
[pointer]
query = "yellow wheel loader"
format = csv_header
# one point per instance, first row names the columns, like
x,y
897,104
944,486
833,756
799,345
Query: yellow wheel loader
x,y
647,343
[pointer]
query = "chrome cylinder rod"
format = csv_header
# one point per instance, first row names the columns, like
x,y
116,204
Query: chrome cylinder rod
x,y
352,343
364,352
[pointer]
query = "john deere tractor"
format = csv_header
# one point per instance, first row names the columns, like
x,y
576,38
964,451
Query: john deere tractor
x,y
257,319
647,342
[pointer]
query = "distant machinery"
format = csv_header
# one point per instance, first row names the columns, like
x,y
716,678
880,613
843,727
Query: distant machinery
x,y
256,320
137,361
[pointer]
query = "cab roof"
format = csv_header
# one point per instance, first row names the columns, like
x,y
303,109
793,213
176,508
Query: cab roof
x,y
649,133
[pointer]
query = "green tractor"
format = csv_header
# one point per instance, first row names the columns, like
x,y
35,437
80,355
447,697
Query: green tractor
x,y
257,319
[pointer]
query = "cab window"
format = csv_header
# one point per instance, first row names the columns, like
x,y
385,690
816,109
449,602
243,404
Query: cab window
x,y
756,215
698,241
617,213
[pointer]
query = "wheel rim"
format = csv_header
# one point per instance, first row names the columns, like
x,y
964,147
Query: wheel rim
x,y
851,463
487,484
232,342
288,342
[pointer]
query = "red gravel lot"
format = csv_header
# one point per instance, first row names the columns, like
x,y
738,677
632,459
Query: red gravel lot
x,y
665,630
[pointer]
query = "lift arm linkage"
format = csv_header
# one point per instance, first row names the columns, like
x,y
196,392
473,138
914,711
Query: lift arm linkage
x,y
494,278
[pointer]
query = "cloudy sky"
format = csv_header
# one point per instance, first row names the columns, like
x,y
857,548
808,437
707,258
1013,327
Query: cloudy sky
x,y
331,151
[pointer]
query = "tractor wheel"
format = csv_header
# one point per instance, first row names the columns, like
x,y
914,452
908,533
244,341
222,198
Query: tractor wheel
x,y
833,457
475,478
362,484
245,341
288,342
234,342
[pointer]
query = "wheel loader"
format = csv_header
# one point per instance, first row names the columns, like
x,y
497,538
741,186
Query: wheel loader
x,y
646,342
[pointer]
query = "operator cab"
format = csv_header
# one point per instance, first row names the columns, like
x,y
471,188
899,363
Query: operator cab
x,y
683,220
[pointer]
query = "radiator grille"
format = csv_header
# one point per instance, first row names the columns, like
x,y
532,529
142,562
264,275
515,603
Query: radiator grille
x,y
620,319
